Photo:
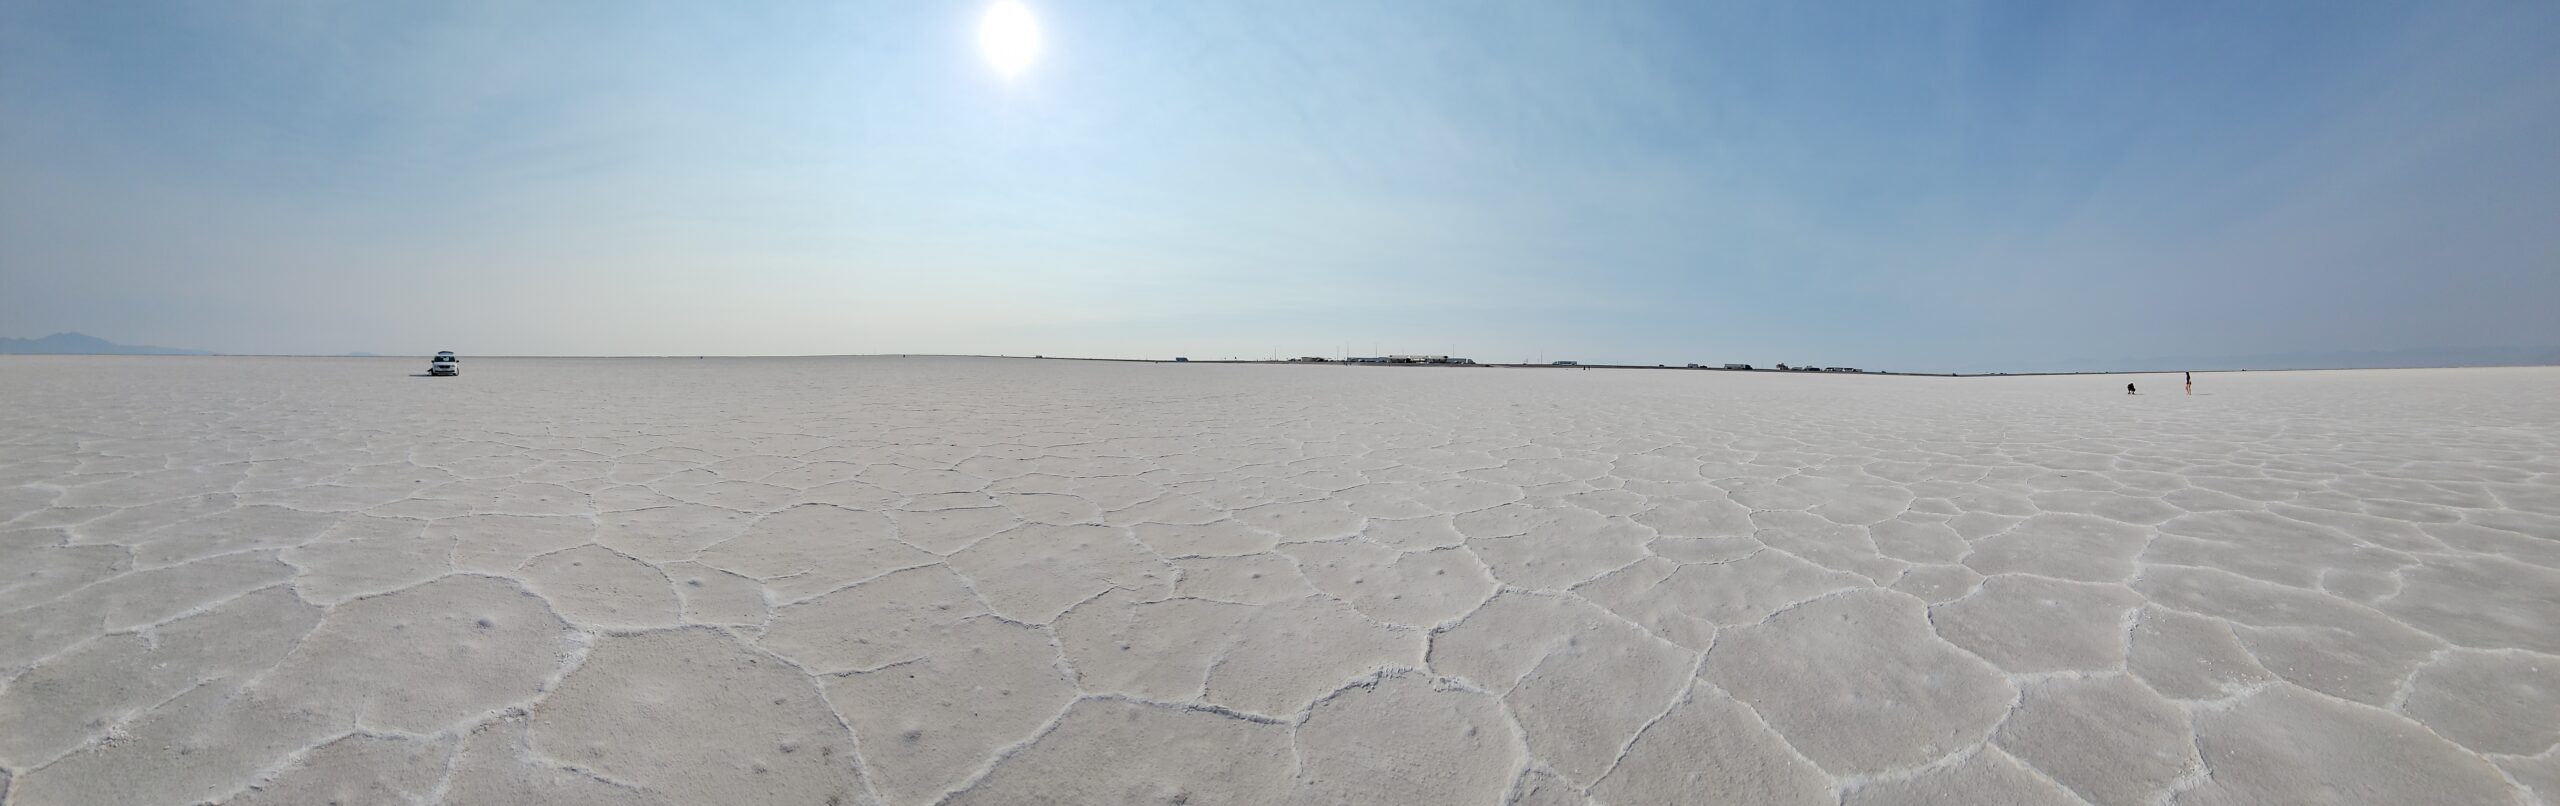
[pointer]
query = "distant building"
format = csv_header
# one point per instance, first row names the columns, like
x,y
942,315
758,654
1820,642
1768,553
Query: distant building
x,y
1402,359
1567,364
1422,359
1311,359
1741,366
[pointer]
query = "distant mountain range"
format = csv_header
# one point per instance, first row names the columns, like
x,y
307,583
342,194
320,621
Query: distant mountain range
x,y
84,344
69,343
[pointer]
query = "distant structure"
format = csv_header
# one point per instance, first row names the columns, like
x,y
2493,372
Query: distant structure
x,y
1567,364
1405,359
1310,359
1181,360
1741,366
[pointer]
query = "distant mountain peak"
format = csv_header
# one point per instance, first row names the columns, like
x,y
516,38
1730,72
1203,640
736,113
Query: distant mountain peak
x,y
76,343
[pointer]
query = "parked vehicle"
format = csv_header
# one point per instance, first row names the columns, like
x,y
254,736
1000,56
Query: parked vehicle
x,y
444,364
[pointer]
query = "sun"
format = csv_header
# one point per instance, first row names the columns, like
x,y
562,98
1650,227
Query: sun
x,y
1009,37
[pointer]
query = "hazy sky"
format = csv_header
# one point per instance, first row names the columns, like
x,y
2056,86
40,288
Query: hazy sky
x,y
1896,185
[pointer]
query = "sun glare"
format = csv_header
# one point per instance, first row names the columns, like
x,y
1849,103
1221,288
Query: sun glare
x,y
1009,37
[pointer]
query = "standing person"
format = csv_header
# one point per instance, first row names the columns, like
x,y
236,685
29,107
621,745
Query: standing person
x,y
2128,389
2191,383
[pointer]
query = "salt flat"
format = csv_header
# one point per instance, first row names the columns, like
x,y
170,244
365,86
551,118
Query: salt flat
x,y
922,580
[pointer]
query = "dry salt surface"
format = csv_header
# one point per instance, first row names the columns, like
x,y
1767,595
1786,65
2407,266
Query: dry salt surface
x,y
899,581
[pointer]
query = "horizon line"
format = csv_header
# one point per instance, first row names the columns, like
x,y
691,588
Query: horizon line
x,y
1332,362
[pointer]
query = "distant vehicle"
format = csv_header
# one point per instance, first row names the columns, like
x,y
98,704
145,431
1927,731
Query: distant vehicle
x,y
1737,366
1567,364
1181,360
444,364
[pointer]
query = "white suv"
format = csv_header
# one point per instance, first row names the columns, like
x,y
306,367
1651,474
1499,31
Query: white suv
x,y
445,364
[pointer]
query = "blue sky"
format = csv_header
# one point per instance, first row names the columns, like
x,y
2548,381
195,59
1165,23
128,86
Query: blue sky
x,y
1895,185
